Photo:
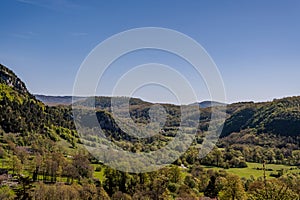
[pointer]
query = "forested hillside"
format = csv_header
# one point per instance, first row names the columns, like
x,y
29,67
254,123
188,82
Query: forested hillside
x,y
22,113
280,117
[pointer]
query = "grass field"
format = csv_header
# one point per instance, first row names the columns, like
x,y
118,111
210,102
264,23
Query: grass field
x,y
99,175
252,170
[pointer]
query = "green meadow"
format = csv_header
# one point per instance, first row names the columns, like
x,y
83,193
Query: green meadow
x,y
255,170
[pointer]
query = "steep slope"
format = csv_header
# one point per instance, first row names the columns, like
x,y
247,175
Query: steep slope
x,y
280,117
9,78
21,112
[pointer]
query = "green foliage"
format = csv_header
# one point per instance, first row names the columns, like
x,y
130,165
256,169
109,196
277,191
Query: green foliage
x,y
233,189
274,189
226,158
7,92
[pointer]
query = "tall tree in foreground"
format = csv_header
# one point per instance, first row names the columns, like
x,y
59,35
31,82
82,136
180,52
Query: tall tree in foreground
x,y
233,189
82,165
273,189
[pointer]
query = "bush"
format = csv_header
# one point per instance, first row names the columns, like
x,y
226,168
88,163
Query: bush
x,y
173,187
98,169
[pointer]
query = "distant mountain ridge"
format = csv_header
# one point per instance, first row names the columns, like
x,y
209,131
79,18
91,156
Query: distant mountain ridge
x,y
57,100
207,104
67,100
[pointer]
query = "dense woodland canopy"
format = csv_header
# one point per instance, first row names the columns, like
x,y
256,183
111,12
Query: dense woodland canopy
x,y
42,155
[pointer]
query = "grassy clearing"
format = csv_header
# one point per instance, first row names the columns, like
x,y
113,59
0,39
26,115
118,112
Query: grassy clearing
x,y
100,174
252,170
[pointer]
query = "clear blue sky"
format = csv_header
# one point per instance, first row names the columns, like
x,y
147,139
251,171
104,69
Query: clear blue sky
x,y
255,44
